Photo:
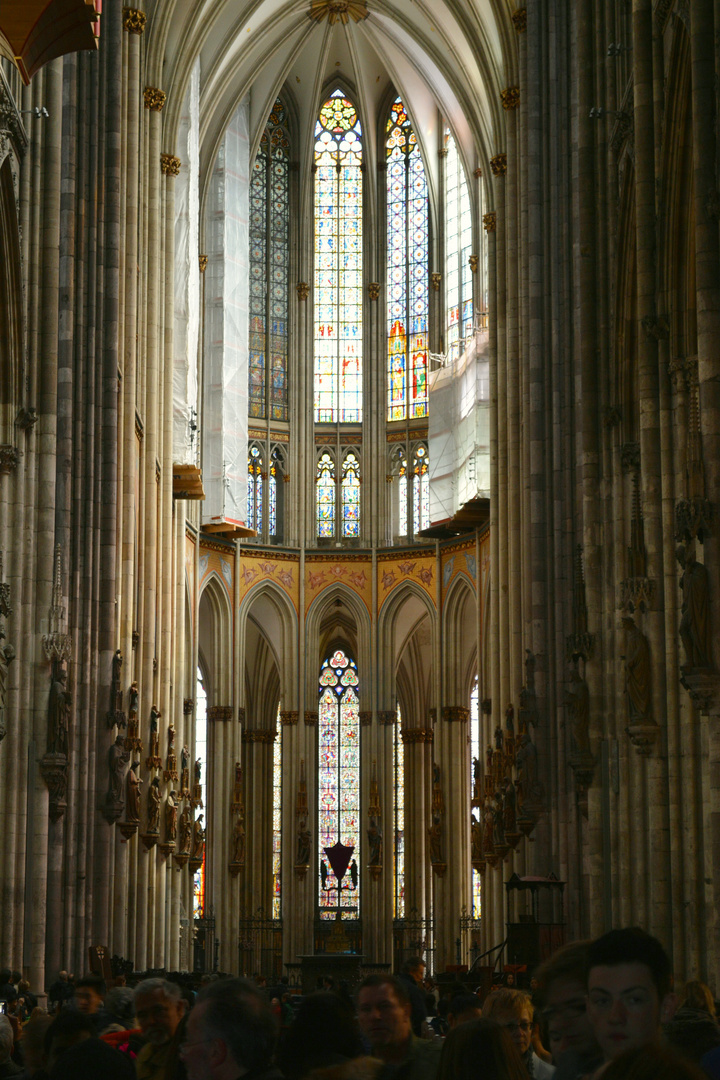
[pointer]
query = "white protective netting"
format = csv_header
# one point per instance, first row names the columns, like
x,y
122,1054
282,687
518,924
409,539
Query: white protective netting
x,y
459,431
225,403
187,279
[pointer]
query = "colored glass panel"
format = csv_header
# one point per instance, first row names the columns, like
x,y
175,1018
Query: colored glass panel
x,y
269,263
338,263
407,269
325,496
338,784
475,753
402,494
201,753
277,821
399,796
255,489
351,496
458,248
421,491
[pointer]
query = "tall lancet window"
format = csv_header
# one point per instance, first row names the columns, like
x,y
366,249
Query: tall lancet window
x,y
475,751
277,821
269,261
325,495
339,785
407,269
338,263
458,248
350,486
255,489
201,756
399,808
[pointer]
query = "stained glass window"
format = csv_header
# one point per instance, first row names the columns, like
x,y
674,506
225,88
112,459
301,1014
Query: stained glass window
x,y
475,753
338,262
407,269
399,846
350,495
269,261
255,489
276,473
402,492
458,248
277,821
339,784
201,753
421,490
325,495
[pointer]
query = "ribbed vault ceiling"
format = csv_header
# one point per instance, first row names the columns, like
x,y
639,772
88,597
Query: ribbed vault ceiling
x,y
450,57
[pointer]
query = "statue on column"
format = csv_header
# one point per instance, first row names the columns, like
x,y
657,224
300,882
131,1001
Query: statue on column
x,y
526,764
132,742
237,798
198,842
578,699
133,782
695,618
302,852
115,714
239,842
58,712
185,772
476,840
435,840
509,804
197,786
153,761
637,673
375,842
117,759
171,817
153,806
171,760
186,831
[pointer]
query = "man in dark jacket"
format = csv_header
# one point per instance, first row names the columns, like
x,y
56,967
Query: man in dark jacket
x,y
411,977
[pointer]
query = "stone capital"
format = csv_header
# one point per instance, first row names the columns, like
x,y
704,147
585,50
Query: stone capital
x,y
365,717
498,164
258,735
9,458
386,717
170,164
311,718
289,717
374,290
416,735
134,20
154,98
435,280
510,97
519,18
203,261
303,290
455,714
490,221
220,712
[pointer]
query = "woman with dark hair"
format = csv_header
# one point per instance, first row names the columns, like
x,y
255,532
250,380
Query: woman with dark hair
x,y
653,1062
323,1033
480,1050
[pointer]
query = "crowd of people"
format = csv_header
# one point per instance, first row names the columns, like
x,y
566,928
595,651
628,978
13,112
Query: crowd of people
x,y
596,1009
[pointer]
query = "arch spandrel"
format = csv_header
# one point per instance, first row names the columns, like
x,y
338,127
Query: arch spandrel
x,y
267,610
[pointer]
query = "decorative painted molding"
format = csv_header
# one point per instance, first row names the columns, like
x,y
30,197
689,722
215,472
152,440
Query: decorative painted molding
x,y
154,99
303,290
170,164
374,290
134,20
289,717
220,712
498,164
338,11
519,18
417,735
510,97
455,713
490,221
203,260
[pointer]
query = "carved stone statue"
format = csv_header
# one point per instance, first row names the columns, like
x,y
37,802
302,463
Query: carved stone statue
x,y
186,831
488,826
134,699
509,806
153,761
498,826
118,758
198,771
375,842
526,764
637,673
153,806
198,842
185,770
115,689
435,840
695,619
510,719
489,760
239,841
133,782
7,655
303,845
171,817
476,839
498,738
578,698
58,712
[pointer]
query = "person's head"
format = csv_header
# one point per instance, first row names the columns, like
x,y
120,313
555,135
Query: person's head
x,y
652,1062
510,979
230,1028
384,1015
414,966
67,1029
159,1007
5,974
16,977
562,985
629,990
7,1038
462,1009
698,996
34,1041
89,993
513,1010
324,1032
480,1041
63,976
90,1059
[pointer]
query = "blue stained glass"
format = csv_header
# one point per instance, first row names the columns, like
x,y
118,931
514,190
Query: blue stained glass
x,y
325,495
407,241
338,782
255,488
458,247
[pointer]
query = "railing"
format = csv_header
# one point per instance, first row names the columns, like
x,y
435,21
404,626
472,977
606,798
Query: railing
x,y
205,944
414,936
469,938
260,945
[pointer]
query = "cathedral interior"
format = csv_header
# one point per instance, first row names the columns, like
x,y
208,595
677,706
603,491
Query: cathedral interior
x,y
359,473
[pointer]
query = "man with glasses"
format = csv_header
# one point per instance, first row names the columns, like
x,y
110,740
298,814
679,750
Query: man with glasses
x,y
629,990
562,991
230,1032
159,1009
513,1009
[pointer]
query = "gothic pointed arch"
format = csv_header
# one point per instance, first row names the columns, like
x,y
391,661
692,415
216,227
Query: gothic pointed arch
x,y
407,614
215,638
267,612
460,640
